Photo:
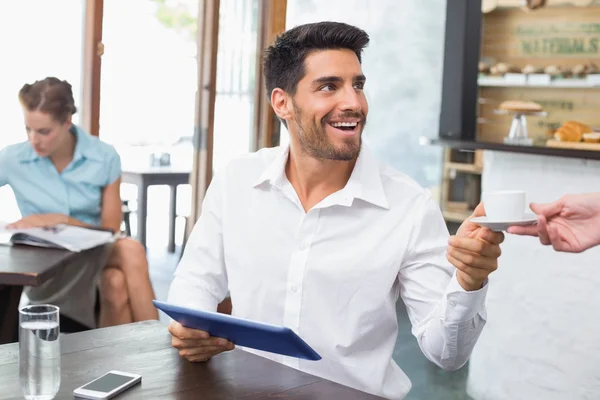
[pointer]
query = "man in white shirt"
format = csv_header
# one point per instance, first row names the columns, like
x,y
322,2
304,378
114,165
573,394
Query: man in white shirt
x,y
322,238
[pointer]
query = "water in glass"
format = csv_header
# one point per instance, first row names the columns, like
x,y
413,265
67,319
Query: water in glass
x,y
39,357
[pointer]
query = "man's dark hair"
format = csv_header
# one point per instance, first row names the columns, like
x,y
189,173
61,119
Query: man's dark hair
x,y
283,62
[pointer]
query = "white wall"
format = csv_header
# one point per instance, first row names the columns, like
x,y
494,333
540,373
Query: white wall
x,y
542,339
403,65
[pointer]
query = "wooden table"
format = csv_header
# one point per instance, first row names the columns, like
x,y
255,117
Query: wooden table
x,y
145,177
145,348
26,266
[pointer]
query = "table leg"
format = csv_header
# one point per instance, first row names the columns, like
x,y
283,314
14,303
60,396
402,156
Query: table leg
x,y
9,313
142,213
172,218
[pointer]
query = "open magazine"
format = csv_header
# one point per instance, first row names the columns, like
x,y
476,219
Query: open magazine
x,y
68,237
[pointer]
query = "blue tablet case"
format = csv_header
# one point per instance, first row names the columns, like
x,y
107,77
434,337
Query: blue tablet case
x,y
243,332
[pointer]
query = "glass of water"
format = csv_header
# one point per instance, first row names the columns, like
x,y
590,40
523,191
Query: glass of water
x,y
39,351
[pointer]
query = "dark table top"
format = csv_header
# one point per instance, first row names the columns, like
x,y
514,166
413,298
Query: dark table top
x,y
30,266
145,348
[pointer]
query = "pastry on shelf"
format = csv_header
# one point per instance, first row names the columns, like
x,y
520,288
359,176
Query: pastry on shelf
x,y
530,69
579,71
502,68
592,69
553,70
591,137
572,131
484,68
520,106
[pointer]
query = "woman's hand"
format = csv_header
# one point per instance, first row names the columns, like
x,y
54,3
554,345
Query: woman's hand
x,y
39,220
570,224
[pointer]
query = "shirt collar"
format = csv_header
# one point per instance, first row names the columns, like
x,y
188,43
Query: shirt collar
x,y
27,154
364,183
84,148
275,172
365,180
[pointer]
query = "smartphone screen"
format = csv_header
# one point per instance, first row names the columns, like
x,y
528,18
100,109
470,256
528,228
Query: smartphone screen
x,y
107,383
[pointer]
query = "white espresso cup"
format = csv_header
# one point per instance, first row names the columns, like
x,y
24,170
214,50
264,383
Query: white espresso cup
x,y
505,205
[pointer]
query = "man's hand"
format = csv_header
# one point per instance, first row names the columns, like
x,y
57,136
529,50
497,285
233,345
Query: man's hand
x,y
39,220
196,345
571,224
474,251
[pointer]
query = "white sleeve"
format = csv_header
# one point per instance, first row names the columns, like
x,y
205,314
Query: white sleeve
x,y
446,319
200,280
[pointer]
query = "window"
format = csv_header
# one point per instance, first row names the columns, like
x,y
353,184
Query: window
x,y
38,38
149,79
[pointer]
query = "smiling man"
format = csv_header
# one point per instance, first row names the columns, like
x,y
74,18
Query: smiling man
x,y
322,238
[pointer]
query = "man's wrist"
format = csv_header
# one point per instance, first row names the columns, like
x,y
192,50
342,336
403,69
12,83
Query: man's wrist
x,y
468,283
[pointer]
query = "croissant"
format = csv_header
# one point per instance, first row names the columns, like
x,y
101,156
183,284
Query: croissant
x,y
572,131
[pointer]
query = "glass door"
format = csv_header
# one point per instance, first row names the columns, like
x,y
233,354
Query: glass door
x,y
236,80
147,101
149,79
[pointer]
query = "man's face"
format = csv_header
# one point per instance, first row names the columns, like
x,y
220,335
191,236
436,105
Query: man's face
x,y
329,107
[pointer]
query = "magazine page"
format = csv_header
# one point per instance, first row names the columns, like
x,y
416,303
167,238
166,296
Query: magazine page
x,y
72,238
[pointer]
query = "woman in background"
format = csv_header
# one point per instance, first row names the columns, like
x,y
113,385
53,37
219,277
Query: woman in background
x,y
63,175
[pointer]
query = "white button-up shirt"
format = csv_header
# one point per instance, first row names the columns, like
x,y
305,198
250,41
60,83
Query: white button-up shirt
x,y
332,274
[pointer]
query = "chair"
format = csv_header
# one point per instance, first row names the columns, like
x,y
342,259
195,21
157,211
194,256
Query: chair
x,y
126,214
127,222
225,307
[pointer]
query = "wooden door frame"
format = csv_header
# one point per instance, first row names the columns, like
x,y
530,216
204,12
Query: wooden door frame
x,y
272,15
207,45
93,49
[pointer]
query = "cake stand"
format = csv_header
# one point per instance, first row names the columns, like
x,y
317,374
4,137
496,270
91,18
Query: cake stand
x,y
518,127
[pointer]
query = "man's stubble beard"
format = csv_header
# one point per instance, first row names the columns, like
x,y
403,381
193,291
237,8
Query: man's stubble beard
x,y
315,142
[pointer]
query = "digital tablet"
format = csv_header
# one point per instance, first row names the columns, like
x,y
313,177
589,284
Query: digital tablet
x,y
240,331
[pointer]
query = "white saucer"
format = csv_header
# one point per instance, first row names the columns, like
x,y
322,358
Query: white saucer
x,y
498,226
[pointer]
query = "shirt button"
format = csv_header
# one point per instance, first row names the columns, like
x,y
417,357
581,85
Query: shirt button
x,y
302,246
452,303
294,289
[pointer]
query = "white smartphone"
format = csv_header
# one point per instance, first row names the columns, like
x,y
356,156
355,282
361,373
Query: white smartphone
x,y
107,386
